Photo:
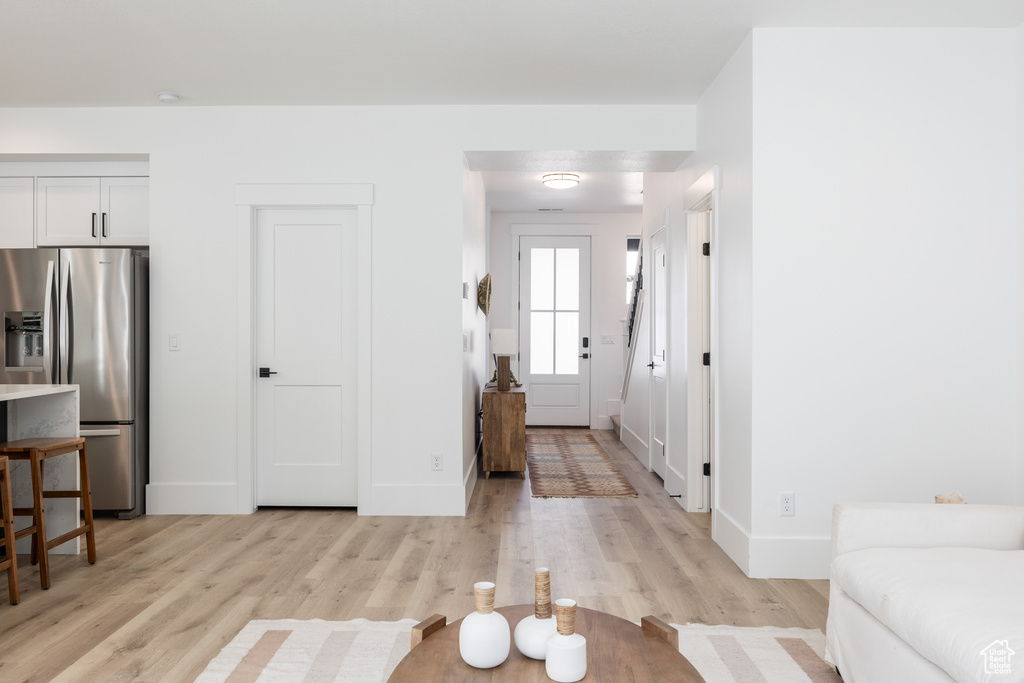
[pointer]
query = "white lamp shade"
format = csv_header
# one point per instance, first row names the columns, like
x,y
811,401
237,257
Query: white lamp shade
x,y
503,342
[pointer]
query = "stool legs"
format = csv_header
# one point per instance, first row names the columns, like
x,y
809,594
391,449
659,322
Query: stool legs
x,y
86,491
39,553
36,451
10,563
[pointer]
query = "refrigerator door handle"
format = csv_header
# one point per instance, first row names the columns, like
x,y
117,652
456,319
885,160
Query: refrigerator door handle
x,y
49,324
99,432
67,326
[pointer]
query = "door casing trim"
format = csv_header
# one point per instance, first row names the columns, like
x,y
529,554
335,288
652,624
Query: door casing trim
x,y
591,230
250,197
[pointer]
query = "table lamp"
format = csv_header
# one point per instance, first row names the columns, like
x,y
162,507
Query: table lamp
x,y
503,345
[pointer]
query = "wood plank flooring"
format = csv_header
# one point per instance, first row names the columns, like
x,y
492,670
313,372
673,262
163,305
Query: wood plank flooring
x,y
167,593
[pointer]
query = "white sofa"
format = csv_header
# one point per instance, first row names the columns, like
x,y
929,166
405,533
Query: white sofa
x,y
918,592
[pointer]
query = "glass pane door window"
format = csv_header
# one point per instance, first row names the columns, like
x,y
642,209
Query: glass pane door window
x,y
554,320
554,311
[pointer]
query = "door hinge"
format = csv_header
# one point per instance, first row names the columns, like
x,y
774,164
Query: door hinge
x,y
707,248
707,469
707,359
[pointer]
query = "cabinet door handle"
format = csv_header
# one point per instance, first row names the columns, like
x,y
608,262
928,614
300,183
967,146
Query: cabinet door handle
x,y
105,224
94,225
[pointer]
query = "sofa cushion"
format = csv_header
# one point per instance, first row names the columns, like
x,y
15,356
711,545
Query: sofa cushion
x,y
949,604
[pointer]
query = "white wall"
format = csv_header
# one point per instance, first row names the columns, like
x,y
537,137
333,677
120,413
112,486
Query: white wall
x,y
474,322
1020,263
725,115
414,158
608,282
884,276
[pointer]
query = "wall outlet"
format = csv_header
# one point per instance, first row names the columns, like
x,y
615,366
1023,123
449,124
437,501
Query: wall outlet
x,y
436,463
787,504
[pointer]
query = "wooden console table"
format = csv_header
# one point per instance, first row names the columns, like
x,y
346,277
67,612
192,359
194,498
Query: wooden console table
x,y
504,431
617,650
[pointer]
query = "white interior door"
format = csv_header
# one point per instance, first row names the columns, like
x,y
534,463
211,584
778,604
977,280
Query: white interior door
x,y
707,415
554,329
700,408
659,346
306,334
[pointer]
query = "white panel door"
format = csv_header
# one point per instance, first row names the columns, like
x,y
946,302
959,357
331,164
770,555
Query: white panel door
x,y
554,329
306,334
67,212
659,346
124,206
17,204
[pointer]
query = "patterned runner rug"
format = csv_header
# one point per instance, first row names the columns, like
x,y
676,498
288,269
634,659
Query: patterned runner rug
x,y
362,651
573,466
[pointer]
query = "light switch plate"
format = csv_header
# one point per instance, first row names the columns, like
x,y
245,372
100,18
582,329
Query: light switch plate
x,y
607,338
174,341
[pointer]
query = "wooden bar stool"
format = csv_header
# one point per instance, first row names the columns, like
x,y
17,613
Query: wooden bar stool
x,y
10,563
36,452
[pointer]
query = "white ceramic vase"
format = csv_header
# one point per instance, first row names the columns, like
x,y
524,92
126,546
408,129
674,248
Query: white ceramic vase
x,y
567,650
532,632
484,637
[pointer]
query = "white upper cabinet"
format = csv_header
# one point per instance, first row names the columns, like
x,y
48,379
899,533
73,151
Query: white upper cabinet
x,y
16,224
84,212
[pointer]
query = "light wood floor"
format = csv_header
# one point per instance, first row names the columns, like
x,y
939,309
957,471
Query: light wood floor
x,y
167,593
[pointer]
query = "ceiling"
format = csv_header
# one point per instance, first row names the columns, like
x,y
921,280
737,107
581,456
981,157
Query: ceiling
x,y
610,182
59,53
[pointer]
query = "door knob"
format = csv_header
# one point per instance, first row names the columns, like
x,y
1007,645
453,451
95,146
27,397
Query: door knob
x,y
265,372
651,364
585,356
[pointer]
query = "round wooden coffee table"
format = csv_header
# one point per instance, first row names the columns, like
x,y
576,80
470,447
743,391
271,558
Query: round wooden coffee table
x,y
617,650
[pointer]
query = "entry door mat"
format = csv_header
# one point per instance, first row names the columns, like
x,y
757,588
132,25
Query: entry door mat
x,y
361,651
573,466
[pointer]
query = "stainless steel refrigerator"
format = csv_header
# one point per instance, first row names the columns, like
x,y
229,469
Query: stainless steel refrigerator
x,y
81,316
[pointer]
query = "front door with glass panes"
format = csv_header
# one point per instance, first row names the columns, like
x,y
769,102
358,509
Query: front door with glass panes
x,y
554,329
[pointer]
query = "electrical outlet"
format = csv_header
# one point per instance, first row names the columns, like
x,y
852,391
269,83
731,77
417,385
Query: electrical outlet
x,y
436,463
787,504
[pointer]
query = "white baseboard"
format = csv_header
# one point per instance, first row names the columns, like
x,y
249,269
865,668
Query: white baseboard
x,y
789,557
732,538
635,445
192,499
772,557
603,422
419,501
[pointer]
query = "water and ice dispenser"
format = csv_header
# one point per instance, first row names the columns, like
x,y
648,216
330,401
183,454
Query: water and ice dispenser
x,y
23,337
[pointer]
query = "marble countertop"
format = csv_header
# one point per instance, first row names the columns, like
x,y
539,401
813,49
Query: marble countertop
x,y
9,392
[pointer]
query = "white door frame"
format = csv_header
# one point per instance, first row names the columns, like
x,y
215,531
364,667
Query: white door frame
x,y
248,199
652,406
706,191
562,230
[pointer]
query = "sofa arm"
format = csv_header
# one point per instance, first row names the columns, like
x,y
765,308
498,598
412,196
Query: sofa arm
x,y
909,525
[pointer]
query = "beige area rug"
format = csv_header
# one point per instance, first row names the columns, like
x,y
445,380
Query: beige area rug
x,y
362,651
573,466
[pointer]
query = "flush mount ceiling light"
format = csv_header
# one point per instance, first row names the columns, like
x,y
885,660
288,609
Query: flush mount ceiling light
x,y
560,181
168,97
